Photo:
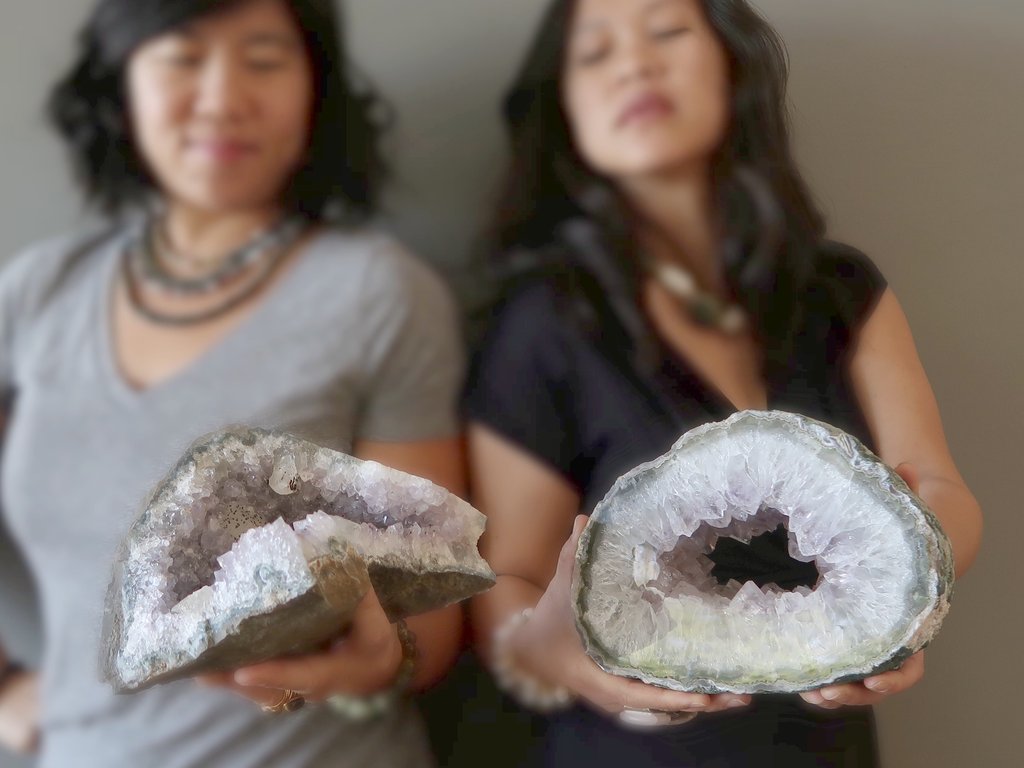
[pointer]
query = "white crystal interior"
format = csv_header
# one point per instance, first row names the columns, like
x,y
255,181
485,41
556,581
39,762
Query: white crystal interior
x,y
739,484
234,533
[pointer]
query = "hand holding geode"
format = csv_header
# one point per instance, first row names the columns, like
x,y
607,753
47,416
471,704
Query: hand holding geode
x,y
649,605
259,544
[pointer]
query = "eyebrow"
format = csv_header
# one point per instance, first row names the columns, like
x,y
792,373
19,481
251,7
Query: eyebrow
x,y
655,4
273,38
284,40
596,24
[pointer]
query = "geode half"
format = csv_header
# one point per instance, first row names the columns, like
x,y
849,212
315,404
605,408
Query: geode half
x,y
649,604
258,544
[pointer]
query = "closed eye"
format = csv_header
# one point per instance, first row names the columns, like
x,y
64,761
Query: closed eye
x,y
589,58
266,65
667,33
183,60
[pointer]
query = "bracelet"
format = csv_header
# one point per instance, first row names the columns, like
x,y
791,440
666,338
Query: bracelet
x,y
376,704
532,693
10,671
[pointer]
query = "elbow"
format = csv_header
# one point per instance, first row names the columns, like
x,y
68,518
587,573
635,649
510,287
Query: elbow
x,y
439,636
968,543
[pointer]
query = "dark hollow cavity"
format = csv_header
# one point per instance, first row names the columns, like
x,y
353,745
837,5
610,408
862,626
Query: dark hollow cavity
x,y
765,560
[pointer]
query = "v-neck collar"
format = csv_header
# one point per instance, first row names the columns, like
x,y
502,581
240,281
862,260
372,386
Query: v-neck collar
x,y
102,323
581,238
676,369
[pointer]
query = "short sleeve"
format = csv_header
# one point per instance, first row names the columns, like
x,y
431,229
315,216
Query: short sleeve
x,y
28,281
519,383
846,288
9,313
25,280
414,360
857,281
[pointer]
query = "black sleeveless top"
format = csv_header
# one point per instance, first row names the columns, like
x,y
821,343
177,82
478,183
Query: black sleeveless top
x,y
558,393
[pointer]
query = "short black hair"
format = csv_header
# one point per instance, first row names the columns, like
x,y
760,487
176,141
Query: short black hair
x,y
343,169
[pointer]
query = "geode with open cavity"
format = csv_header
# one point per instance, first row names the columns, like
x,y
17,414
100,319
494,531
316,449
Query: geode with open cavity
x,y
258,544
650,602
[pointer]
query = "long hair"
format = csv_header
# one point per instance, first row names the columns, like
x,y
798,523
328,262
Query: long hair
x,y
342,169
550,197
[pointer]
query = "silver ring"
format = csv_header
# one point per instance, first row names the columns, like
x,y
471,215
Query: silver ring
x,y
653,718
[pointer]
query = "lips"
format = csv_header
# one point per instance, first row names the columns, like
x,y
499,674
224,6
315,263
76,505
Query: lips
x,y
646,106
222,150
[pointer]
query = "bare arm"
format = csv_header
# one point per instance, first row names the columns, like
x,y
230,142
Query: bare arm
x,y
901,412
531,512
438,633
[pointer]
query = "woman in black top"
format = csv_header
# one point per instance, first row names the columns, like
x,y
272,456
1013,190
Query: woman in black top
x,y
665,266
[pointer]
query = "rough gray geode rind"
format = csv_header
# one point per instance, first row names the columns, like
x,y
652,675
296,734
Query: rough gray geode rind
x,y
258,544
647,605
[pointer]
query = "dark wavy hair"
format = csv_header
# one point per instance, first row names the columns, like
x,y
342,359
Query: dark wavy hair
x,y
343,168
558,219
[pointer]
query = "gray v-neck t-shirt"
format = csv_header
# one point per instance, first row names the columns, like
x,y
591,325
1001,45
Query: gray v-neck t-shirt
x,y
357,340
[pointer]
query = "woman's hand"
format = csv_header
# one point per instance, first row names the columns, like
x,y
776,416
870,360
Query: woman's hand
x,y
549,648
366,660
19,713
873,689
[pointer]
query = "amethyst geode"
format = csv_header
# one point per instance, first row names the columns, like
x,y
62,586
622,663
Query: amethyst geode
x,y
258,544
650,604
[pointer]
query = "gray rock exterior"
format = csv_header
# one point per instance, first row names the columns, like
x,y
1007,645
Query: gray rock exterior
x,y
259,544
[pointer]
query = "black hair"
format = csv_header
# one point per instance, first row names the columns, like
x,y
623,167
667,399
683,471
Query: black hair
x,y
343,167
770,223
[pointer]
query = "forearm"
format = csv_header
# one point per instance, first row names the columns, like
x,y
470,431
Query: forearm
x,y
510,595
960,515
438,633
19,707
438,642
903,416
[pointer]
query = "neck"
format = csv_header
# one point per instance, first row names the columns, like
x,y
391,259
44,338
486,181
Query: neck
x,y
202,235
675,221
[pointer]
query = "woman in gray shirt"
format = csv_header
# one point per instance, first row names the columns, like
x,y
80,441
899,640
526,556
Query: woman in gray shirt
x,y
249,290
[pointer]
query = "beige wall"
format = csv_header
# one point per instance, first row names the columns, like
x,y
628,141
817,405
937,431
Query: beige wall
x,y
910,119
909,115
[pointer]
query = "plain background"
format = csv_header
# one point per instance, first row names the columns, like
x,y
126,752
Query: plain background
x,y
908,120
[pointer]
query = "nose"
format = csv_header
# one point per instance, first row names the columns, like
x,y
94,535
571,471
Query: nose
x,y
221,91
639,59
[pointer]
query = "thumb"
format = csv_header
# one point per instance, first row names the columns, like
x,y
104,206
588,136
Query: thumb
x,y
567,557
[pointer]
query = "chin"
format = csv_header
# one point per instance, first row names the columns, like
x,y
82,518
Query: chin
x,y
651,167
225,200
658,153
660,159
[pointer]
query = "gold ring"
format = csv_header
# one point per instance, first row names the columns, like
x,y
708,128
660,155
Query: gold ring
x,y
289,702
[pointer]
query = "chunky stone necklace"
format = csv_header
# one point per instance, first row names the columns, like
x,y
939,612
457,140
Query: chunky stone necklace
x,y
275,244
705,308
152,252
